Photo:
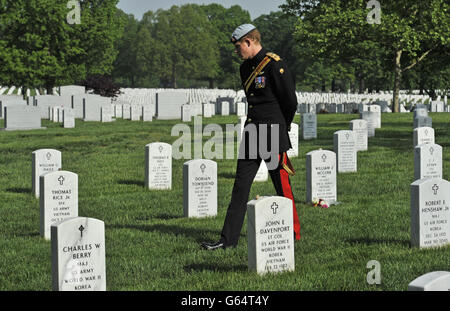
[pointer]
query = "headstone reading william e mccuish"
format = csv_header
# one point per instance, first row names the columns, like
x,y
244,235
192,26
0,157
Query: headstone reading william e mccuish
x,y
321,176
359,127
430,212
68,118
308,126
43,161
345,149
270,231
78,255
158,166
432,281
427,161
200,188
423,135
58,199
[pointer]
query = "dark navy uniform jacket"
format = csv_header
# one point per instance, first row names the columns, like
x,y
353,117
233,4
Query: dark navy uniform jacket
x,y
271,98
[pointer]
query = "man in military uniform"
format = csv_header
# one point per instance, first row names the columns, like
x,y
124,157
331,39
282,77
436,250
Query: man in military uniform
x,y
270,90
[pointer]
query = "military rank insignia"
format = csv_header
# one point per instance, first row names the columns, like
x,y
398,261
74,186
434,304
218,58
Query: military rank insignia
x,y
260,82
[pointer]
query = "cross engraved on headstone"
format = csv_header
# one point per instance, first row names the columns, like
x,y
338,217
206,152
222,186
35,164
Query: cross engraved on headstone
x,y
61,180
431,150
203,167
48,156
435,189
160,149
274,207
81,228
426,132
324,157
347,136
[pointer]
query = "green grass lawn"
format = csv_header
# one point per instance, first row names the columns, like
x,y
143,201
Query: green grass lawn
x,y
150,246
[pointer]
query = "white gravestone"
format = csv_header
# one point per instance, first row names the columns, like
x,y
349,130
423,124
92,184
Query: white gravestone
x,y
126,112
270,231
200,188
118,112
106,114
423,122
433,281
427,161
78,255
371,118
43,161
207,110
345,149
293,136
68,118
321,176
262,174
186,113
240,109
147,113
423,135
58,199
430,212
158,166
308,126
135,113
377,110
359,127
22,117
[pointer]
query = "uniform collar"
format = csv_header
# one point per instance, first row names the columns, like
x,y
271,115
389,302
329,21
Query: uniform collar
x,y
258,57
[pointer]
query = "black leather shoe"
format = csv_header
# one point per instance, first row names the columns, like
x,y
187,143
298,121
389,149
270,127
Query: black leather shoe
x,y
213,246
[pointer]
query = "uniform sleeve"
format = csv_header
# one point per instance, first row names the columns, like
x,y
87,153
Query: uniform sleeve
x,y
284,87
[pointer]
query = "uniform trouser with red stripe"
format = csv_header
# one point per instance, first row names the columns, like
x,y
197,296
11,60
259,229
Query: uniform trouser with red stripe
x,y
245,174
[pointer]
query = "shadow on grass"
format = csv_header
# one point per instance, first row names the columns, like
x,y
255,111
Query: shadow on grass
x,y
198,267
198,234
227,175
369,241
131,182
19,190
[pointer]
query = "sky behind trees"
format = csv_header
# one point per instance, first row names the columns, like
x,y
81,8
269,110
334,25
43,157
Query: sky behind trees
x,y
254,7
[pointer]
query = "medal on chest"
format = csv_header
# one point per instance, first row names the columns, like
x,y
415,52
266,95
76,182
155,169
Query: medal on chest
x,y
260,82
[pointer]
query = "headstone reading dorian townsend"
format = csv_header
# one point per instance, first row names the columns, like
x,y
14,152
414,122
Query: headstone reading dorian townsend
x,y
158,166
270,231
430,212
43,161
58,199
200,188
78,255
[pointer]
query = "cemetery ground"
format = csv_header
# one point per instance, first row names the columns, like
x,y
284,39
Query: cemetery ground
x,y
151,246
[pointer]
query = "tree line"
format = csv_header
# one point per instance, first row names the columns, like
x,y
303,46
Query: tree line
x,y
328,44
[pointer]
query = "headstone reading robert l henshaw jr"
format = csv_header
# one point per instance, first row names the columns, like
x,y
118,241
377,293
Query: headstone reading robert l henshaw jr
x,y
270,232
78,255
430,212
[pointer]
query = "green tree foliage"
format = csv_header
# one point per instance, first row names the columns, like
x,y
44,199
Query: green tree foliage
x,y
39,48
337,30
